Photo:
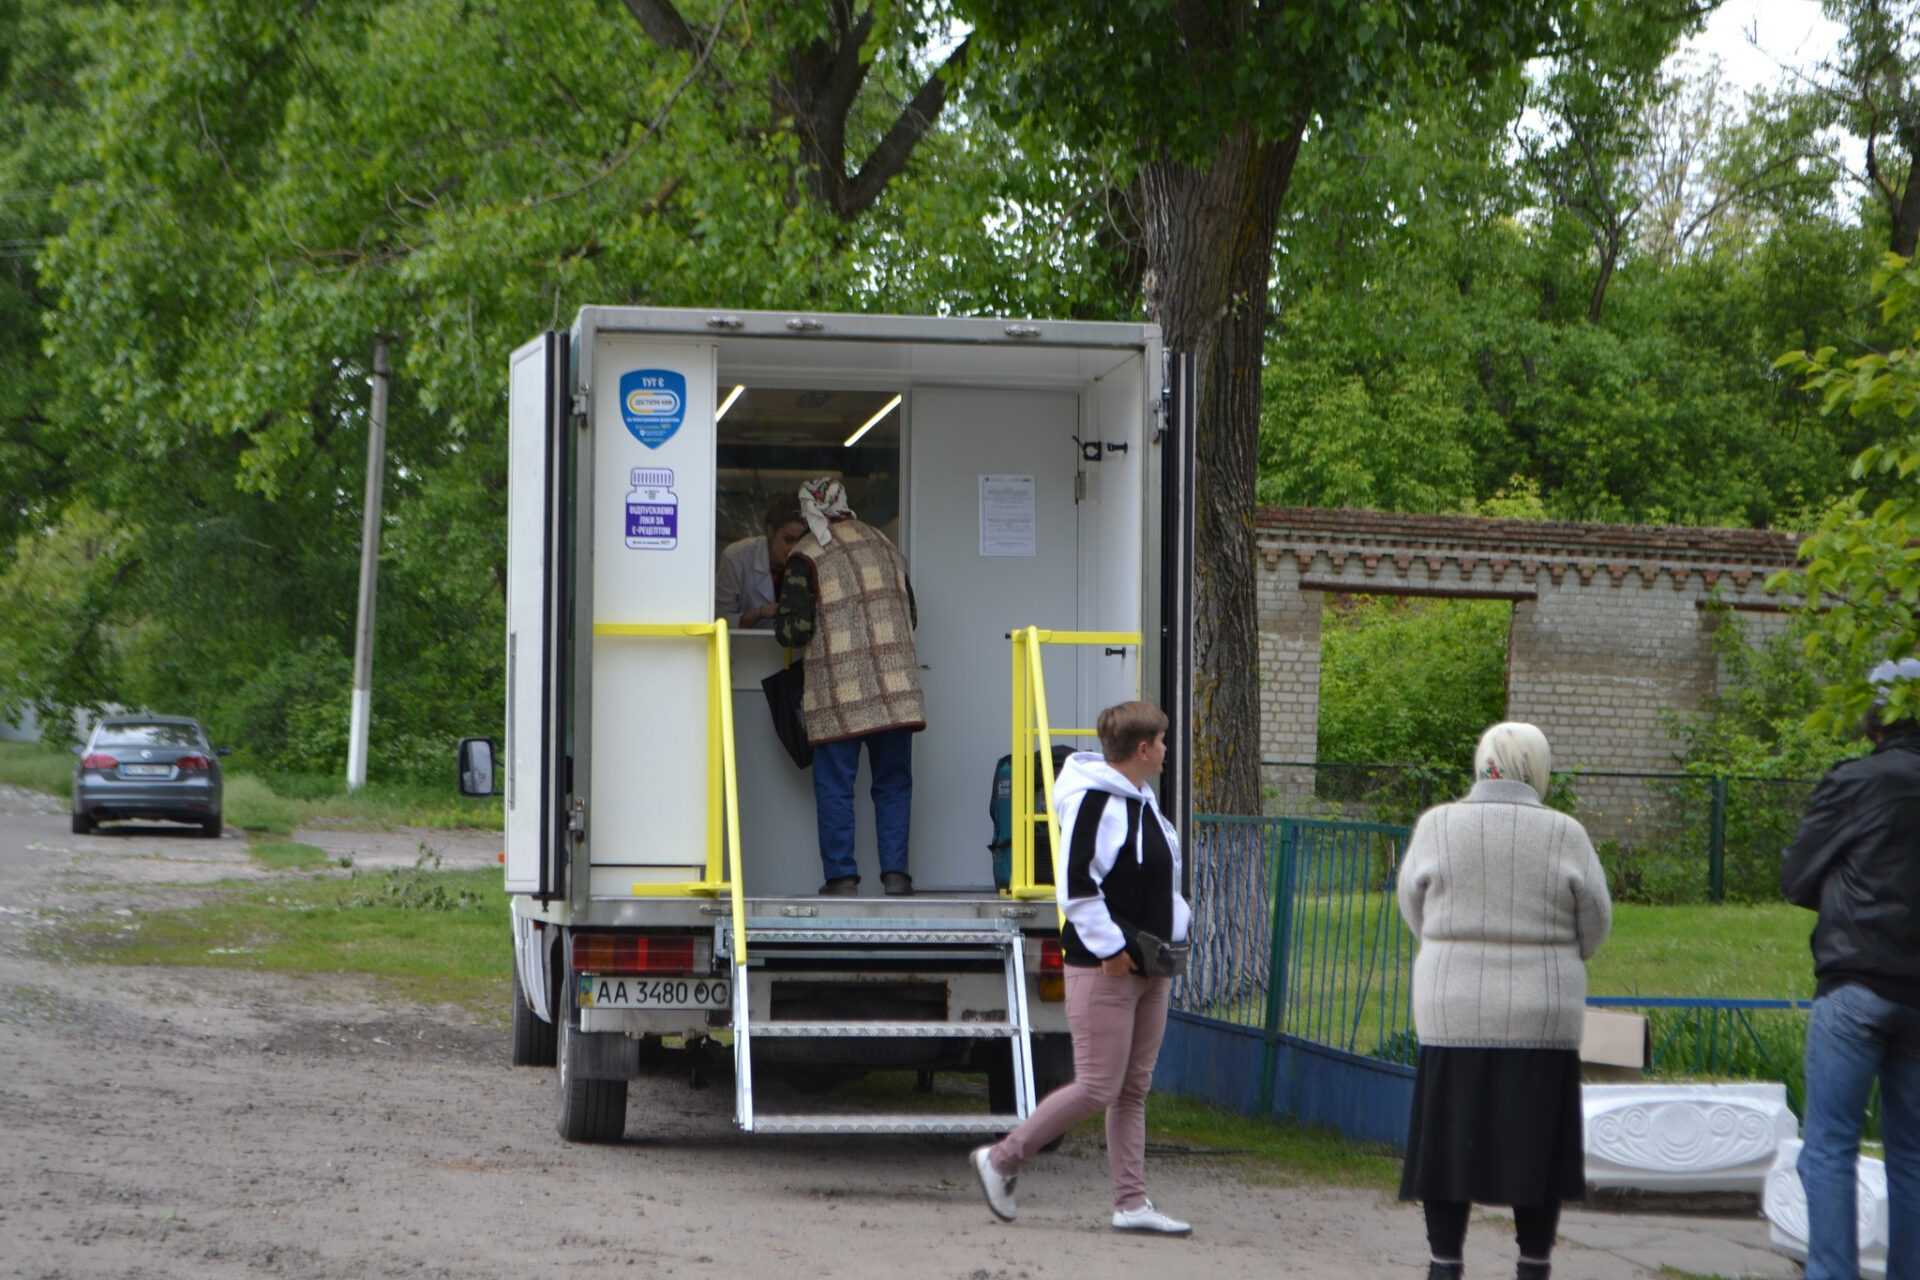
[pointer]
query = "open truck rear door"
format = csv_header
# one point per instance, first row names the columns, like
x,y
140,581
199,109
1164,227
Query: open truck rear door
x,y
539,583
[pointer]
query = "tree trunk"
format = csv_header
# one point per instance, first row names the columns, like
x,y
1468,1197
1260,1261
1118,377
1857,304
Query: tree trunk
x,y
1905,213
1209,254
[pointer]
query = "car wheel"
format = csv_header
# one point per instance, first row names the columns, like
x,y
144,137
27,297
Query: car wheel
x,y
82,824
211,828
590,1110
534,1041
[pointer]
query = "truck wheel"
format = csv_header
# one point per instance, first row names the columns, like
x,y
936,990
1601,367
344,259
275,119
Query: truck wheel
x,y
534,1042
211,828
590,1110
82,824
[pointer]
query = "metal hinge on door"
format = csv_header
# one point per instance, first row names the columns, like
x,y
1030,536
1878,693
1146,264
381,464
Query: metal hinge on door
x,y
580,409
577,819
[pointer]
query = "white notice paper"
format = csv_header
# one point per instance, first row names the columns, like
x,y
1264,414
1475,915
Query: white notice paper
x,y
1006,516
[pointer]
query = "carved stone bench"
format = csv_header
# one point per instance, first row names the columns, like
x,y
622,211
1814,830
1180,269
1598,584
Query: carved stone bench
x,y
1785,1204
1685,1137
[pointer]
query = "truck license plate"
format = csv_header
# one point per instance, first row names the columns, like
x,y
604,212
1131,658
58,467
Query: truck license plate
x,y
597,992
146,770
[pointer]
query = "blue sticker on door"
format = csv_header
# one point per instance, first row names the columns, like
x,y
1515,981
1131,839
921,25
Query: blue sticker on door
x,y
653,403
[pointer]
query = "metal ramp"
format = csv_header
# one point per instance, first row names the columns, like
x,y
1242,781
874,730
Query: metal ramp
x,y
925,943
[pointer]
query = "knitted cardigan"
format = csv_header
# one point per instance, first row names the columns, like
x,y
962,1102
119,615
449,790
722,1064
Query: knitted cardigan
x,y
1508,901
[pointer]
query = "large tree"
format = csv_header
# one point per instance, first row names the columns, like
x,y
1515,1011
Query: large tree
x,y
1204,106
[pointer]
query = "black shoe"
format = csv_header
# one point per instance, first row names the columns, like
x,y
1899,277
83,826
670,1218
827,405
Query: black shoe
x,y
896,884
1445,1270
1528,1269
841,887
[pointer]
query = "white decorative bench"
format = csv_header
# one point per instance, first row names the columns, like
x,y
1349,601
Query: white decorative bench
x,y
1785,1204
1685,1137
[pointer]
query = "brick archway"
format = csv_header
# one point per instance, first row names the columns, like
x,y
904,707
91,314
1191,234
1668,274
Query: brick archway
x,y
1610,627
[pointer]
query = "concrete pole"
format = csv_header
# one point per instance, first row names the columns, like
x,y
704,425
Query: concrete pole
x,y
369,573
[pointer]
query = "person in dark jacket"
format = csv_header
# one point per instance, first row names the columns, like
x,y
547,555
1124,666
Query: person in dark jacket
x,y
1856,860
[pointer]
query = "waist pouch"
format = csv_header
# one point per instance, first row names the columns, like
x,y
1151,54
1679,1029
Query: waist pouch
x,y
1160,958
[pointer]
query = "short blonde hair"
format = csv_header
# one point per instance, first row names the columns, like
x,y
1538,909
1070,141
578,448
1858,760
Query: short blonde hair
x,y
1516,751
1124,726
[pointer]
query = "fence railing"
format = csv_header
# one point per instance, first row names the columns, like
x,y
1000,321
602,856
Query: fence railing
x,y
1296,932
1663,837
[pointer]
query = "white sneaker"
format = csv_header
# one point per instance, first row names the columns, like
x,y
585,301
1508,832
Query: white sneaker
x,y
999,1186
1151,1221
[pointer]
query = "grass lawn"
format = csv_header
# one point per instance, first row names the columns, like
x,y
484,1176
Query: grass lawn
x,y
1756,952
433,936
277,805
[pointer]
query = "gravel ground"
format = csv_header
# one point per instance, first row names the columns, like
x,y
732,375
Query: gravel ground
x,y
212,1123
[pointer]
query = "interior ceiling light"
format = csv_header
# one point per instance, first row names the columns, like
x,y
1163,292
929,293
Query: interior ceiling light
x,y
727,404
867,426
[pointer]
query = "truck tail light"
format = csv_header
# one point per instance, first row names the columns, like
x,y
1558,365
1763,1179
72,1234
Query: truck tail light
x,y
193,764
100,761
1051,980
631,953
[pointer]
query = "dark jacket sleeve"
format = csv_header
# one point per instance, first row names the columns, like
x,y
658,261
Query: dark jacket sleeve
x,y
1822,838
793,619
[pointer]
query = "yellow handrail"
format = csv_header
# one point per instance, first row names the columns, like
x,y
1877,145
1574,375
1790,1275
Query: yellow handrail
x,y
1029,700
723,788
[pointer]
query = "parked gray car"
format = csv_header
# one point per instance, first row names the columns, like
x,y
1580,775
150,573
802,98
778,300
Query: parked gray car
x,y
147,767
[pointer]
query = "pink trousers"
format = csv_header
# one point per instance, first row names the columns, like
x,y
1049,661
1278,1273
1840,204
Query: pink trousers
x,y
1117,1025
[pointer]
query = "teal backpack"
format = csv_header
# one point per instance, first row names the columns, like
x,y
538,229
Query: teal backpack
x,y
1000,809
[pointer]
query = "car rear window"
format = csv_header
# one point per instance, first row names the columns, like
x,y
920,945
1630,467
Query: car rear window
x,y
149,735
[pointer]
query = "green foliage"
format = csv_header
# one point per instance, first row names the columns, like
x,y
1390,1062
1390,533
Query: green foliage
x,y
1861,579
1411,681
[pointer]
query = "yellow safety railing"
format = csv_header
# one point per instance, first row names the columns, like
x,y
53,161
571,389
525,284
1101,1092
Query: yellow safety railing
x,y
1031,732
723,787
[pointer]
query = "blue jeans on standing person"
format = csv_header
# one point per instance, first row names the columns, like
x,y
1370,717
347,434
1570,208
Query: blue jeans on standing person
x,y
835,765
1854,1036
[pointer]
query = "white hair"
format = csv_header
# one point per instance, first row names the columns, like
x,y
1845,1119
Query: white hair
x,y
1515,751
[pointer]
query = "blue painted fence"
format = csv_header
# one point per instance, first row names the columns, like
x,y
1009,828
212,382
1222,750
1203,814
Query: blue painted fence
x,y
1297,1000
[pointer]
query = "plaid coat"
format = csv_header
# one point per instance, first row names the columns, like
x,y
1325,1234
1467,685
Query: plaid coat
x,y
863,675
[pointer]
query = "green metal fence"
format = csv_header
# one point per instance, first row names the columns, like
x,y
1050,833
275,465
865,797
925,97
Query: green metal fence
x,y
1664,837
1296,932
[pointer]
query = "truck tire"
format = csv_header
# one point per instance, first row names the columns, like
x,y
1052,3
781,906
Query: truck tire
x,y
212,827
534,1042
1052,1067
82,824
590,1110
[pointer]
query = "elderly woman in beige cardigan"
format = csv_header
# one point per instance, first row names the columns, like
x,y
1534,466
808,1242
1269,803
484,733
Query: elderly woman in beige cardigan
x,y
1509,902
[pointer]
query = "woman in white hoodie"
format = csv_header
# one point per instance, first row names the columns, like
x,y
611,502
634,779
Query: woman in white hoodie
x,y
1122,879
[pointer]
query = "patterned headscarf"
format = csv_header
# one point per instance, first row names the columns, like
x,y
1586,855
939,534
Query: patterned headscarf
x,y
1515,751
821,500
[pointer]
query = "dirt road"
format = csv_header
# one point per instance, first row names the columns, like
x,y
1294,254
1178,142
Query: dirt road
x,y
211,1123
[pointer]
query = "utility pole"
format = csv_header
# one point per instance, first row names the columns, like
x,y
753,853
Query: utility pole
x,y
369,573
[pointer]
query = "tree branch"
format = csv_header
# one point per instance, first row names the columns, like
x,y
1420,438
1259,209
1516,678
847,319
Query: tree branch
x,y
896,148
666,109
664,25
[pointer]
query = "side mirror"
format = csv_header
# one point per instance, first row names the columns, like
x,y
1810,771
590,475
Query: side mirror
x,y
476,767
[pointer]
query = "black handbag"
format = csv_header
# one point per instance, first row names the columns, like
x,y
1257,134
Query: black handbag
x,y
784,689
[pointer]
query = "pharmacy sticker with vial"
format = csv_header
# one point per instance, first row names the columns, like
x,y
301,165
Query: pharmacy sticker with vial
x,y
653,511
653,403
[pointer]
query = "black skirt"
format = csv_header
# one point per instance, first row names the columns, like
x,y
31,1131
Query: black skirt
x,y
1496,1126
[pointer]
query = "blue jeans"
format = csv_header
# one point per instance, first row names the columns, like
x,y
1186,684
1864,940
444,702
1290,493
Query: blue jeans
x,y
835,765
1852,1037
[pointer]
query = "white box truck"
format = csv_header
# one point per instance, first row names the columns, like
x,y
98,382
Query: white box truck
x,y
661,850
